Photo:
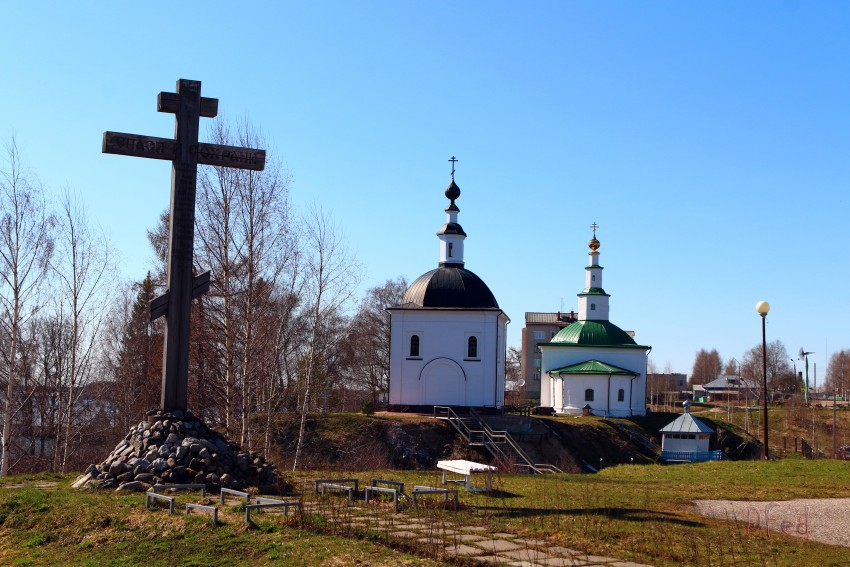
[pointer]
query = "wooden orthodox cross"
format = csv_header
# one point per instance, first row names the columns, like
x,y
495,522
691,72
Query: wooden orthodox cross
x,y
185,153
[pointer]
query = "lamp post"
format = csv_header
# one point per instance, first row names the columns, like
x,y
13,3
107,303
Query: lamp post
x,y
762,307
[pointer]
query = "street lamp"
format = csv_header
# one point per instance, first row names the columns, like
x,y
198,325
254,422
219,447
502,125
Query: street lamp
x,y
762,307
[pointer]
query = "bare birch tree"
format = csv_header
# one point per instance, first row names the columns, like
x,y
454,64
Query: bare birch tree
x,y
246,241
84,270
25,249
331,275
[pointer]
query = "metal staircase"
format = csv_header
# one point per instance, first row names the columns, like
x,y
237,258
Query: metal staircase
x,y
500,444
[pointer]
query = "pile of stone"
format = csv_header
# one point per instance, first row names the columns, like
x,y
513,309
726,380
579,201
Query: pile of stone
x,y
178,448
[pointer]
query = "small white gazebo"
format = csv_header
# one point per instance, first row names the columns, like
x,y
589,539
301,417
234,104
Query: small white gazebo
x,y
686,439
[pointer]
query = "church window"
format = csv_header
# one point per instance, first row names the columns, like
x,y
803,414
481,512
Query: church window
x,y
621,395
593,307
414,345
472,347
451,253
537,376
588,395
539,334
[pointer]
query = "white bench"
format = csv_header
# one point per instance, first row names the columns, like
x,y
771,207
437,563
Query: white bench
x,y
466,468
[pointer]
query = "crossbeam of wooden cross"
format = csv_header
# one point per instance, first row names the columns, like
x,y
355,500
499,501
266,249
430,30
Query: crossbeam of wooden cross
x,y
185,153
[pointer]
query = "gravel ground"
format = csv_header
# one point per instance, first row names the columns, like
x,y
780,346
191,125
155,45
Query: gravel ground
x,y
826,520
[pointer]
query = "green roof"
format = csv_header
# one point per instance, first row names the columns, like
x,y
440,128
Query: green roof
x,y
594,367
594,333
594,291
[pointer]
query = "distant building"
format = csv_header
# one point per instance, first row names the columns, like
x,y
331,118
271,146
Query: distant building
x,y
539,328
593,362
727,387
448,336
669,385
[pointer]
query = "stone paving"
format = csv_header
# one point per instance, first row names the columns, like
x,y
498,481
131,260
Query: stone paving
x,y
453,538
470,542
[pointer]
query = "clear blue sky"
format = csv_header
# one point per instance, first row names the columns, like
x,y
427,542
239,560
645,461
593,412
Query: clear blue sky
x,y
710,141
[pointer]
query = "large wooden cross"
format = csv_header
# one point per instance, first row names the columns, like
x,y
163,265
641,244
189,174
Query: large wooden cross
x,y
185,153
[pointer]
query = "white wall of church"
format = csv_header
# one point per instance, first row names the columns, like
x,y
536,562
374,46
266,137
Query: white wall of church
x,y
567,395
443,373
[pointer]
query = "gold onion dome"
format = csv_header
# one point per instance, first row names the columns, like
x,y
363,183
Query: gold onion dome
x,y
593,244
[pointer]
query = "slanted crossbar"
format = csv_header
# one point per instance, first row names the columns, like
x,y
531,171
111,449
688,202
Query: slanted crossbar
x,y
213,509
151,496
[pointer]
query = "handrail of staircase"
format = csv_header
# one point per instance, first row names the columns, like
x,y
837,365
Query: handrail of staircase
x,y
447,413
647,442
491,435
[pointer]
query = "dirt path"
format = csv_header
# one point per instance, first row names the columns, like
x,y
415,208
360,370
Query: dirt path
x,y
826,520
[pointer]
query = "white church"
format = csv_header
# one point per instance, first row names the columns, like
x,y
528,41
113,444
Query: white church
x,y
593,365
448,336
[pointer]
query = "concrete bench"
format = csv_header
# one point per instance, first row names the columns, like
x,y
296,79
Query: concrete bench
x,y
231,492
381,490
152,496
398,485
422,490
320,481
264,503
466,468
213,509
164,487
341,487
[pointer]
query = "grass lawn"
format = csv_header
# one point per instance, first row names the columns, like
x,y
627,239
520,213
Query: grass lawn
x,y
639,513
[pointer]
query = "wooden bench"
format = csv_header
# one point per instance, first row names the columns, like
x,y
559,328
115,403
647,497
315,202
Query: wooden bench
x,y
381,490
398,485
263,503
150,496
466,468
341,487
164,487
422,490
320,481
213,509
231,492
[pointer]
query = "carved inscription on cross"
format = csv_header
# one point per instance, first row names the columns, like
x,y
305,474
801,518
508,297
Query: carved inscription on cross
x,y
185,153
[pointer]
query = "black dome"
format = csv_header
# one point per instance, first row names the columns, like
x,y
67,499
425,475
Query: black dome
x,y
450,286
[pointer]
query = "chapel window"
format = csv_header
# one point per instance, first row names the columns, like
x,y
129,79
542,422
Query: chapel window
x,y
621,395
588,395
451,253
414,345
472,347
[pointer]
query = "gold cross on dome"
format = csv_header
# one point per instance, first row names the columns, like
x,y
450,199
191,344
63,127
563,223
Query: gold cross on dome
x,y
454,160
594,226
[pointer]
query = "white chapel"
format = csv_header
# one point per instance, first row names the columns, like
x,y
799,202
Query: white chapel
x,y
448,335
592,364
